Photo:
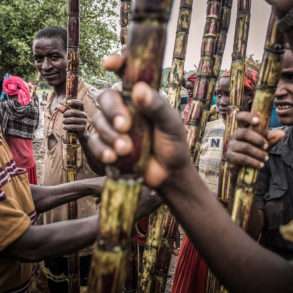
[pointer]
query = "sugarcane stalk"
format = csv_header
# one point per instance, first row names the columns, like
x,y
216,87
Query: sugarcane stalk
x,y
158,251
205,72
179,54
236,95
225,17
71,138
262,105
166,248
226,9
146,46
237,77
150,253
213,44
124,20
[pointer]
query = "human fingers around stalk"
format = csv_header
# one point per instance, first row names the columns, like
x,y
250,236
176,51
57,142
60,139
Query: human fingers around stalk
x,y
169,150
75,119
248,147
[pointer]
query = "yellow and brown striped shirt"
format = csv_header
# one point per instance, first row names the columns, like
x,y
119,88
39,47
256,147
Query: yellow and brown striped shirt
x,y
17,214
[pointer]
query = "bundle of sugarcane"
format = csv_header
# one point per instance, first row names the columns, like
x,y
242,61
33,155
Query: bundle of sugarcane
x,y
124,20
237,75
166,248
146,45
214,40
236,95
71,138
158,251
155,235
226,7
262,105
177,69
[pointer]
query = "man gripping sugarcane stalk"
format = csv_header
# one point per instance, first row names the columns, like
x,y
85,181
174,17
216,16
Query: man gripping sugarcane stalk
x,y
272,204
50,59
163,228
147,35
262,105
192,202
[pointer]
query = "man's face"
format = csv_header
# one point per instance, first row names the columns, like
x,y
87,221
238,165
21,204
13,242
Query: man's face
x,y
247,99
222,93
50,59
189,88
284,92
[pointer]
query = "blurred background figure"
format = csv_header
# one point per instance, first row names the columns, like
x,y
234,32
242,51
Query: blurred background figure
x,y
19,117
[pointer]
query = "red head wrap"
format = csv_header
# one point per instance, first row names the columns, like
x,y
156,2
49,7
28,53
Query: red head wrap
x,y
14,86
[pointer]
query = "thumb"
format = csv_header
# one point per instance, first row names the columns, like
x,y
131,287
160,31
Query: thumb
x,y
157,110
155,173
275,136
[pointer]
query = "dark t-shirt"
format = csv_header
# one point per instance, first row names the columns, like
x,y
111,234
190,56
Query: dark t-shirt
x,y
274,194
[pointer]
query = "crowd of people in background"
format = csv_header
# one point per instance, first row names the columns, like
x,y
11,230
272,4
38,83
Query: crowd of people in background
x,y
35,225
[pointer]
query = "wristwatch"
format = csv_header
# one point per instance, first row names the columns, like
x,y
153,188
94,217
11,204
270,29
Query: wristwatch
x,y
286,22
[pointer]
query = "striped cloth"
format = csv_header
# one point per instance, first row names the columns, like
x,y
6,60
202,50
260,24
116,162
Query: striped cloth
x,y
17,120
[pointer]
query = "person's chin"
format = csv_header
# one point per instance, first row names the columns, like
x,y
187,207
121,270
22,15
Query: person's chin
x,y
53,82
286,121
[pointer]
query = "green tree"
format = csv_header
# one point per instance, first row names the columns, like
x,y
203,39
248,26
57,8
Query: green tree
x,y
21,19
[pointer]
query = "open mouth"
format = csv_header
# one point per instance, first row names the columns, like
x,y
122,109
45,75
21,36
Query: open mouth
x,y
283,108
50,76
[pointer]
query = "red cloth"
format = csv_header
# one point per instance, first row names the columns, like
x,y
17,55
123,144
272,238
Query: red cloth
x,y
191,270
32,175
14,86
22,151
192,78
141,230
250,80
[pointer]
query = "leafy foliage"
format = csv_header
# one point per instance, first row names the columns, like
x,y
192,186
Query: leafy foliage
x,y
21,19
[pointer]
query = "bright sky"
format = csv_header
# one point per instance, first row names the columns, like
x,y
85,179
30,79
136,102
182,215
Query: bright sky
x,y
259,20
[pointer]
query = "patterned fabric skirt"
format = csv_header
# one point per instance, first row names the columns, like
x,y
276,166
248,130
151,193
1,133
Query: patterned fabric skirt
x,y
191,270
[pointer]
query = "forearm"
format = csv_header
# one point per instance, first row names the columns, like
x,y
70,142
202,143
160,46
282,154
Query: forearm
x,y
248,267
49,197
55,239
66,237
94,164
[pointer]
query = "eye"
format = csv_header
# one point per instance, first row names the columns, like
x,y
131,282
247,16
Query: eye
x,y
38,59
54,58
287,76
